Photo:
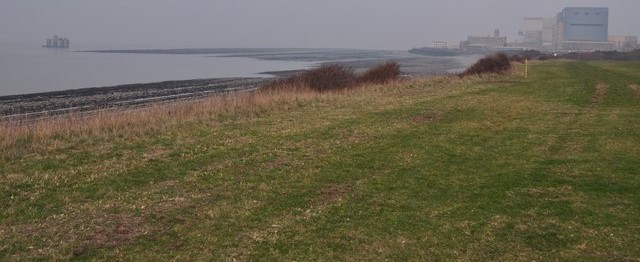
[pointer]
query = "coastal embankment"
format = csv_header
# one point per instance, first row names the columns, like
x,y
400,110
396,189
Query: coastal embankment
x,y
123,96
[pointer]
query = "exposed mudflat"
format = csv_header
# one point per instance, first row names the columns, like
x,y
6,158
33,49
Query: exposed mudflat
x,y
359,60
122,96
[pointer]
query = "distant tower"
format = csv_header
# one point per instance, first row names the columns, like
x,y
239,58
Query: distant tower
x,y
496,33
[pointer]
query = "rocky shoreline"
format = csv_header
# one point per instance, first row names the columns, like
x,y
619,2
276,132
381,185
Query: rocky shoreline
x,y
49,104
38,105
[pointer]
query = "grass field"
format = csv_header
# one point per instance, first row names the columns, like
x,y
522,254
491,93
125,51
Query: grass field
x,y
481,168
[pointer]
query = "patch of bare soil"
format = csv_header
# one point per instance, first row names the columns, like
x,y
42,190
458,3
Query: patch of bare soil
x,y
600,94
426,118
330,194
356,137
110,231
81,233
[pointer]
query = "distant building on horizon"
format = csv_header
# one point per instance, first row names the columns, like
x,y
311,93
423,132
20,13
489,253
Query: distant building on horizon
x,y
474,42
624,42
588,24
488,44
583,29
439,44
573,29
537,32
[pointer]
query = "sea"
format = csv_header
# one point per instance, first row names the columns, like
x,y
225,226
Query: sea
x,y
29,68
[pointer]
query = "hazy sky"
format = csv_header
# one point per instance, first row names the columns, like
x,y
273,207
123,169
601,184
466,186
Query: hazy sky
x,y
373,24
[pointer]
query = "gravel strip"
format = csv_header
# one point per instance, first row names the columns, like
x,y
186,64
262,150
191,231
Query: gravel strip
x,y
122,96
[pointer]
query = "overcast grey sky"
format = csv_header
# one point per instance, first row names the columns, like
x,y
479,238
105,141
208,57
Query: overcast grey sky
x,y
373,24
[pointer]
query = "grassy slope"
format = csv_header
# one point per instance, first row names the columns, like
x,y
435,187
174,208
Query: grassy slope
x,y
499,168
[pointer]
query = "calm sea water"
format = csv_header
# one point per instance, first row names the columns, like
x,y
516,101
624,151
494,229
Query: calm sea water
x,y
29,68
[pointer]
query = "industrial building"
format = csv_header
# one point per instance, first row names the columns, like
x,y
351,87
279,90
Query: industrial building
x,y
624,42
589,24
439,44
484,42
583,29
538,32
488,44
573,29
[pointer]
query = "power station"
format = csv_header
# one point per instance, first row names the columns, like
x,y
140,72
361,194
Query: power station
x,y
574,29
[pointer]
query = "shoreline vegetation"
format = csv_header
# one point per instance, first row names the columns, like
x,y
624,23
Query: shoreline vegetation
x,y
44,114
488,166
87,100
94,109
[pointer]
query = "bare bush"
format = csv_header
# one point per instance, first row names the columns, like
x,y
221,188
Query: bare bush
x,y
334,77
493,64
380,74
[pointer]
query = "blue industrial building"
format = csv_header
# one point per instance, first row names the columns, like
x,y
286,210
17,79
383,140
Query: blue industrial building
x,y
590,24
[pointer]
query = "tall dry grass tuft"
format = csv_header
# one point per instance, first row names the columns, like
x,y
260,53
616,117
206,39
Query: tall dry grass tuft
x,y
493,64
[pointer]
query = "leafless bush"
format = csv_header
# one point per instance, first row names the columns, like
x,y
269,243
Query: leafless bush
x,y
381,73
493,64
334,77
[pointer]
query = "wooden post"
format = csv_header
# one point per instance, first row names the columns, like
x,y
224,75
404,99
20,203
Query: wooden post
x,y
526,68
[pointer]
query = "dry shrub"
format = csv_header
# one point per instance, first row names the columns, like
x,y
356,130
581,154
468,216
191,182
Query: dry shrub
x,y
493,64
321,79
518,59
380,74
335,77
327,78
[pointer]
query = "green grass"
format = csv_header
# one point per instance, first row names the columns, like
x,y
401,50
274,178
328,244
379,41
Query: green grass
x,y
498,168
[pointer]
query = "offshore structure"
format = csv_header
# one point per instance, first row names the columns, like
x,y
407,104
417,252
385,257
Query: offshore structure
x,y
57,42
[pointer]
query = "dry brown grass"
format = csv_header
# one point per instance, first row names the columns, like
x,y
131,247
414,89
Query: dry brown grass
x,y
31,134
34,135
142,120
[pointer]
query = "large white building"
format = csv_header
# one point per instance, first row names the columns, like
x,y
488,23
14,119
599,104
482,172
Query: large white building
x,y
583,29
